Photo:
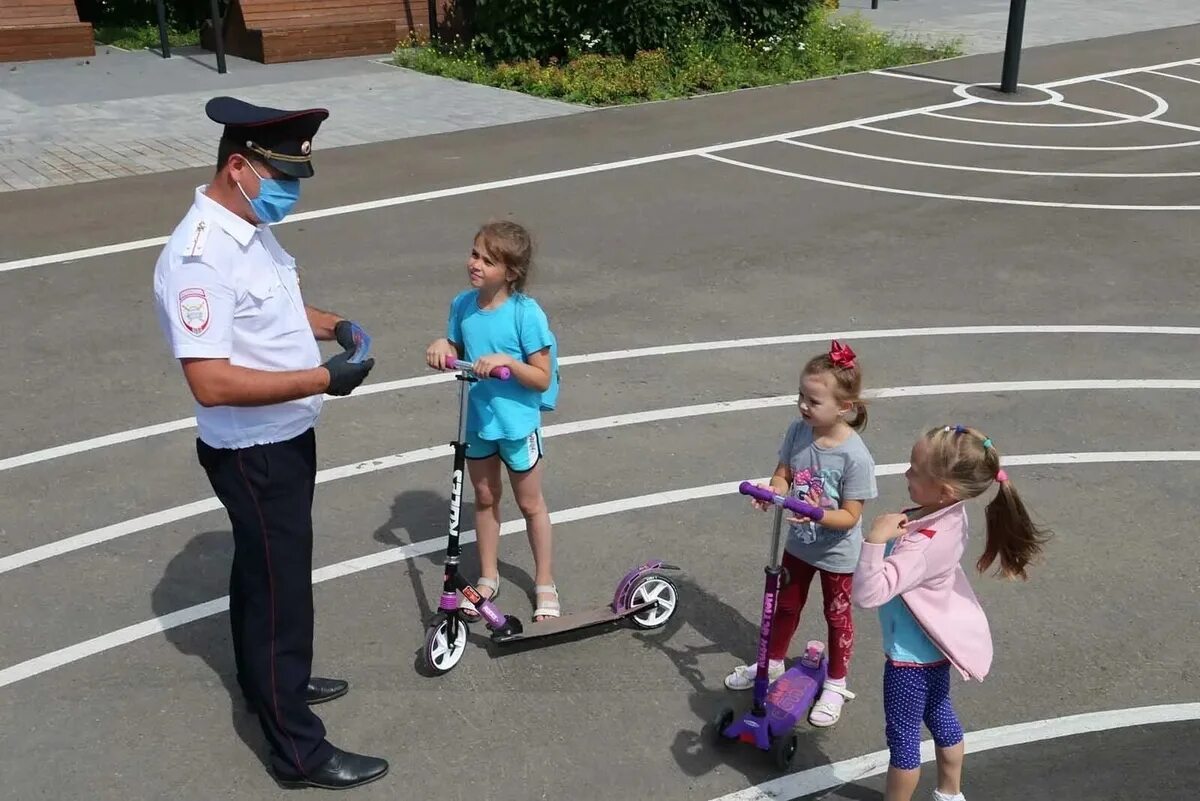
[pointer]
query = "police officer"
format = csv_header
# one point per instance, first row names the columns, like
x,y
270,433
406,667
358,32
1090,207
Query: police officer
x,y
229,303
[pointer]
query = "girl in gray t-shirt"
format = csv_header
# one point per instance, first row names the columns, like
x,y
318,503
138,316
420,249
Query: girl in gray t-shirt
x,y
823,461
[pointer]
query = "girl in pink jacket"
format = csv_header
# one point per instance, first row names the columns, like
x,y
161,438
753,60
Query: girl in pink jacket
x,y
909,568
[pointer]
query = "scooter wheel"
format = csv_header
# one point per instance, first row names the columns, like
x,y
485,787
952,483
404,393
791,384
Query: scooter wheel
x,y
442,649
654,587
784,749
720,723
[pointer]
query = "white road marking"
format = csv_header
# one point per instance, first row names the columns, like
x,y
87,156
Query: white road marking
x,y
1151,120
145,522
1171,75
106,642
1116,73
828,777
993,170
437,194
1022,124
124,247
1131,118
953,141
132,435
1160,108
887,73
942,196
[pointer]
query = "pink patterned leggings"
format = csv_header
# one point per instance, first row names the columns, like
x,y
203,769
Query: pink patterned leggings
x,y
835,590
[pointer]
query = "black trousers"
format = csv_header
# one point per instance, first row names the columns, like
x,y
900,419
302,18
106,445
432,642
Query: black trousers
x,y
268,492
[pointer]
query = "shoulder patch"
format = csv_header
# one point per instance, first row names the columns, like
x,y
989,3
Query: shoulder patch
x,y
194,312
197,239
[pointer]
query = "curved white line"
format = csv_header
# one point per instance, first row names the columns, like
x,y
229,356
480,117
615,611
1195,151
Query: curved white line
x,y
1000,201
131,435
1183,126
964,90
827,777
113,639
1017,123
994,170
1160,108
145,522
1191,143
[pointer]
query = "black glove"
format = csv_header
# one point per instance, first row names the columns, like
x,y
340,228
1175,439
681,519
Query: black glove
x,y
344,375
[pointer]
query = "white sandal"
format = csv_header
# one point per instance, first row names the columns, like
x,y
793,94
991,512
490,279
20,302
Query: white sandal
x,y
467,608
546,609
824,707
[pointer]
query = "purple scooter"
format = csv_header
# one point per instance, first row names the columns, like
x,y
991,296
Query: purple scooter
x,y
771,722
644,595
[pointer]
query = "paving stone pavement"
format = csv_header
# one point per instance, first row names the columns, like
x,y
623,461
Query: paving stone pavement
x,y
983,24
121,113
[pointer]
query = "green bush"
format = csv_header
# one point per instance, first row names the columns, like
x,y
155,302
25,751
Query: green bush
x,y
515,30
695,61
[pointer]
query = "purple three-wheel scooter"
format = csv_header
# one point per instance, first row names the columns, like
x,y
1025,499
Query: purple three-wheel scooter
x,y
644,595
770,725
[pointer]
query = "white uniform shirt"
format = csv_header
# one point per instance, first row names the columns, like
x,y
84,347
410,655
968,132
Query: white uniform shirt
x,y
226,289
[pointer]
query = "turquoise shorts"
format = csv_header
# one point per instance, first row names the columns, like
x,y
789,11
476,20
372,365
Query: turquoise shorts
x,y
521,455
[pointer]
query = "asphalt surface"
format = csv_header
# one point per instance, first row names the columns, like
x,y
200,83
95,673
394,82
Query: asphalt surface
x,y
676,251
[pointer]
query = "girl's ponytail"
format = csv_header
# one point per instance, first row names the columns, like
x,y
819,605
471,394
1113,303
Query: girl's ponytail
x,y
1012,537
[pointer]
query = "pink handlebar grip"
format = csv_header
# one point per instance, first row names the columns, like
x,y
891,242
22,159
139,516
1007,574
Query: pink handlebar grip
x,y
794,504
503,373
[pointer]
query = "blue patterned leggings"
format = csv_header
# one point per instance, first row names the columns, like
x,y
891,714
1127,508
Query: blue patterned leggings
x,y
912,694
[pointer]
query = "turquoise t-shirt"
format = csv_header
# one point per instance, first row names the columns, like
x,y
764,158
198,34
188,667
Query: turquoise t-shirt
x,y
903,638
518,328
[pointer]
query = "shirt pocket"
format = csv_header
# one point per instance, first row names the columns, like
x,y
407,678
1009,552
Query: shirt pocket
x,y
267,310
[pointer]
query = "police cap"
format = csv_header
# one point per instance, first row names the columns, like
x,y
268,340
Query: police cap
x,y
281,138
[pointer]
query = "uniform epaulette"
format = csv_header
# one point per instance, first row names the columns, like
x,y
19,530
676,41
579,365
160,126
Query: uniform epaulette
x,y
193,246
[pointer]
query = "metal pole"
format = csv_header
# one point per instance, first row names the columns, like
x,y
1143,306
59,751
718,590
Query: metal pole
x,y
874,4
162,29
220,37
1012,46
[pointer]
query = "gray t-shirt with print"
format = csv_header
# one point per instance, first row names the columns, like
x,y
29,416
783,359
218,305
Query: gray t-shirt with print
x,y
845,471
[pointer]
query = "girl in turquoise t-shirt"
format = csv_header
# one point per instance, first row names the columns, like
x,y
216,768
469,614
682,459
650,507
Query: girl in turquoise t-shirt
x,y
495,324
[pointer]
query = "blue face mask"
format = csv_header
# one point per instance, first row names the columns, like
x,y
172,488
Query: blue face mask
x,y
276,197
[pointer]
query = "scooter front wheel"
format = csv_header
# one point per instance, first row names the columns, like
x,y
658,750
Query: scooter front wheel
x,y
784,749
445,644
659,589
719,724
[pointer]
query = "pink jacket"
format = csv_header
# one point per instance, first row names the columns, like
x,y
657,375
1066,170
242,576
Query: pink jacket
x,y
923,569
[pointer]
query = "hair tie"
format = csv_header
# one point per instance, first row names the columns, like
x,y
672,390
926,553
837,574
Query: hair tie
x,y
1001,476
987,443
841,355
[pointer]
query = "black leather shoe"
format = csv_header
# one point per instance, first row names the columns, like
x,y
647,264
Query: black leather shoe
x,y
341,771
321,690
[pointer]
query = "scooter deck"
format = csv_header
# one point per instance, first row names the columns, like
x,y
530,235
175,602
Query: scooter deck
x,y
791,696
558,625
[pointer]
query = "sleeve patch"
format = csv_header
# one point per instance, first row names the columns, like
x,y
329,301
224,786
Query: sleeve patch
x,y
194,311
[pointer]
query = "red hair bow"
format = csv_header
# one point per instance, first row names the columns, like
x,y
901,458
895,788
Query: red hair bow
x,y
841,355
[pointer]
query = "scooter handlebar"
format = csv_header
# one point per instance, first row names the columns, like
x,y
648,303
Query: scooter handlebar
x,y
794,504
502,373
